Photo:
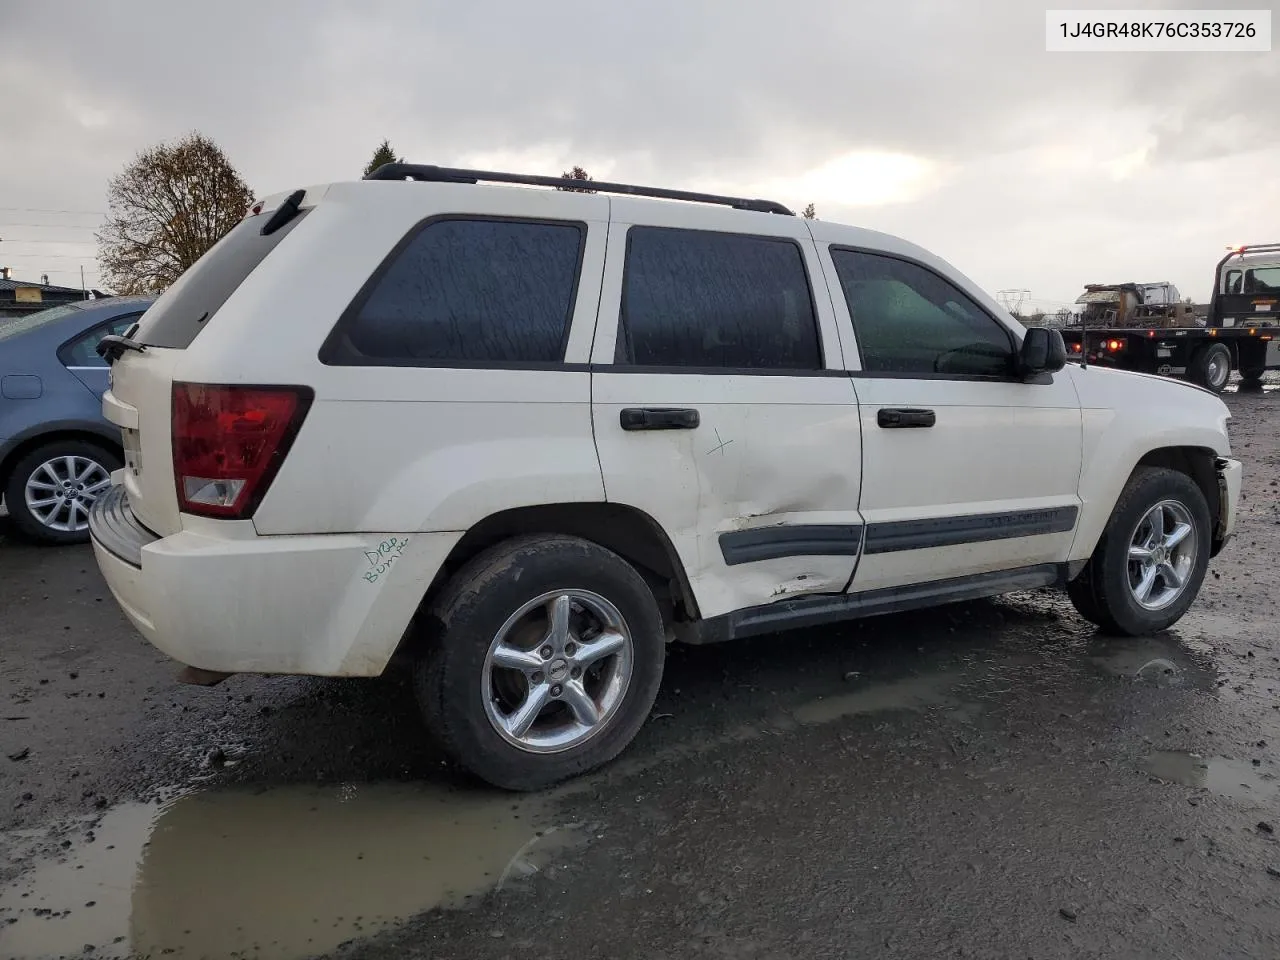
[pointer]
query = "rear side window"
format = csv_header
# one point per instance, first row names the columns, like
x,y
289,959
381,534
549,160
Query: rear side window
x,y
467,291
185,308
695,298
83,350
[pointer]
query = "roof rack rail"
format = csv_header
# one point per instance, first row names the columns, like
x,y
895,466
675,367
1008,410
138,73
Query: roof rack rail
x,y
434,174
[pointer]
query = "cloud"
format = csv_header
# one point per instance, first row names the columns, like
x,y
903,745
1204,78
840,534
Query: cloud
x,y
944,121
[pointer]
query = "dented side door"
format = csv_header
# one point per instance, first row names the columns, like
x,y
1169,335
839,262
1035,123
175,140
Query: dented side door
x,y
754,475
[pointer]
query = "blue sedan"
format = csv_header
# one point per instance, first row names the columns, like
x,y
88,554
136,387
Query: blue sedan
x,y
57,451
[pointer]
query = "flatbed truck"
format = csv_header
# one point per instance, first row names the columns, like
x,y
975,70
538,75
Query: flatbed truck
x,y
1241,332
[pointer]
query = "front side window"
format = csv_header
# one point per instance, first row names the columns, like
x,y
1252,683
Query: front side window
x,y
468,291
696,298
910,321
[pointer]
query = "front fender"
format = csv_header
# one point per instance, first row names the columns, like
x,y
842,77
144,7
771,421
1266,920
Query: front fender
x,y
1125,418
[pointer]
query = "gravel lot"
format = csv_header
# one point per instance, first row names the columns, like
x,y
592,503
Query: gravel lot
x,y
986,780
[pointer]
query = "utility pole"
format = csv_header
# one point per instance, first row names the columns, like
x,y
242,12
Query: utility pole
x,y
1012,299
84,291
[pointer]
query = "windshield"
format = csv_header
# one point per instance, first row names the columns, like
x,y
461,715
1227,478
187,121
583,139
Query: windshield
x,y
12,326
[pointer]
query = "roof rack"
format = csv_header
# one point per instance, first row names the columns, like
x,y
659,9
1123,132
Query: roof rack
x,y
434,174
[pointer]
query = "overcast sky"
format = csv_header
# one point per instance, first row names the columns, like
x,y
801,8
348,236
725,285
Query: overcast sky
x,y
943,122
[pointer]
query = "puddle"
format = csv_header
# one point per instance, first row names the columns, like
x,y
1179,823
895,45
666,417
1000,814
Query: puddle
x,y
1237,779
913,693
1161,663
278,874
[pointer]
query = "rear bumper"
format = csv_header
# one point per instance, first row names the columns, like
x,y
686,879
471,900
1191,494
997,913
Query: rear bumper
x,y
329,605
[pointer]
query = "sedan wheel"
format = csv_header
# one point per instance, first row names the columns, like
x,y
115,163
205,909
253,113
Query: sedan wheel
x,y
60,492
52,488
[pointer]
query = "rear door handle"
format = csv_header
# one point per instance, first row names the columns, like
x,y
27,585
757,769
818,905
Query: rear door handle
x,y
899,417
659,418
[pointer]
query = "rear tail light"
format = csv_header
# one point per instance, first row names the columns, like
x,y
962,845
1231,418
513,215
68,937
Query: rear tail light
x,y
229,442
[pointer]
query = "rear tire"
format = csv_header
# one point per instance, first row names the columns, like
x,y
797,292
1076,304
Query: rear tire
x,y
519,626
65,472
1109,592
1252,373
1211,367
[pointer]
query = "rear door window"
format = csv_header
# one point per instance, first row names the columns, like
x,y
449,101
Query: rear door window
x,y
697,298
466,291
186,307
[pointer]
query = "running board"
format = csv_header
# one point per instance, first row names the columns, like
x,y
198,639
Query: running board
x,y
832,608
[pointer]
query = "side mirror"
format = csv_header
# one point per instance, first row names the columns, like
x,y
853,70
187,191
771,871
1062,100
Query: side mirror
x,y
1043,351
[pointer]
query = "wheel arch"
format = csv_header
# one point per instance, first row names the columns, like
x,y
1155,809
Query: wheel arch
x,y
1196,462
18,447
626,530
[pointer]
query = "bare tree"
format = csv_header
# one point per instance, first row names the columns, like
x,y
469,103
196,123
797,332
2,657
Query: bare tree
x,y
810,213
165,209
384,154
577,173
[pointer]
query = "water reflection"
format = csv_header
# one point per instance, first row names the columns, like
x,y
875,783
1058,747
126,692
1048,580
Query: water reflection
x,y
278,874
1237,779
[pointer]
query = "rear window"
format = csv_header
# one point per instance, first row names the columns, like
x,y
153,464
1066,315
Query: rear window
x,y
33,321
185,308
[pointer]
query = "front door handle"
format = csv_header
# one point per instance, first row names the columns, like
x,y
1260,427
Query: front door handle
x,y
898,417
659,418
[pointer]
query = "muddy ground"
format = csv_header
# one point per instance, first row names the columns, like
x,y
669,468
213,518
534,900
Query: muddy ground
x,y
985,780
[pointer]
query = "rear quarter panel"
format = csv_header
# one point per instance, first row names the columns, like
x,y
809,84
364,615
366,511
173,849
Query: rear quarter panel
x,y
404,449
59,401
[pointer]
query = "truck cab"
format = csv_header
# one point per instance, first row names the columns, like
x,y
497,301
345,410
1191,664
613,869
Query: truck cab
x,y
1247,287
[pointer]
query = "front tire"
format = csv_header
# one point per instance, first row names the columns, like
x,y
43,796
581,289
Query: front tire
x,y
52,488
1151,560
546,657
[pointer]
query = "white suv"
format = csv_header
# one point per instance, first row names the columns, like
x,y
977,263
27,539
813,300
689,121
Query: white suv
x,y
527,437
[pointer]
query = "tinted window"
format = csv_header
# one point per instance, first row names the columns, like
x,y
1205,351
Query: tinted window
x,y
701,299
1262,280
909,320
81,352
185,308
471,291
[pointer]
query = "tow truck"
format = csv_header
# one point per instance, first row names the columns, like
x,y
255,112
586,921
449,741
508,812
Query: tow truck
x,y
1144,327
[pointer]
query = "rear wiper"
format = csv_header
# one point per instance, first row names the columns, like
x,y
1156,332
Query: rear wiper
x,y
286,212
112,347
